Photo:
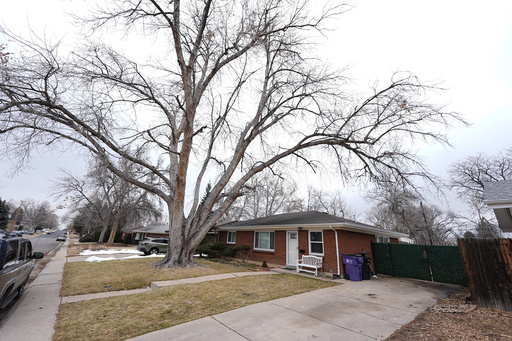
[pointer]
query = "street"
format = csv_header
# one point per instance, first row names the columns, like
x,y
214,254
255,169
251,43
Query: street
x,y
46,242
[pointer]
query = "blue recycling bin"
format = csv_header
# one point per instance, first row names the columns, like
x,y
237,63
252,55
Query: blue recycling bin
x,y
353,267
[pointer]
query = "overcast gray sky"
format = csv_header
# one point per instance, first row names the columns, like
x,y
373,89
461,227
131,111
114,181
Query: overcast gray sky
x,y
465,44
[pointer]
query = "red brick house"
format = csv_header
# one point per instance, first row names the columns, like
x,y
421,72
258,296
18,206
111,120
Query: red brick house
x,y
282,239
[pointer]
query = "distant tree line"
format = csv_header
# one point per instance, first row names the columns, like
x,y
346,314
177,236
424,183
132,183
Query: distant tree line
x,y
32,215
101,203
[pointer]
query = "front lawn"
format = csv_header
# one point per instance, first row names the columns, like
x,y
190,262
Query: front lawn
x,y
122,317
86,278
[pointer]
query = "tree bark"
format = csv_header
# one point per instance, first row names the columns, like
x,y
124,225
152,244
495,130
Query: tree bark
x,y
115,226
103,232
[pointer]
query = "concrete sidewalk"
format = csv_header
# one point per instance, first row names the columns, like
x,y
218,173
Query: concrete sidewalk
x,y
33,317
368,310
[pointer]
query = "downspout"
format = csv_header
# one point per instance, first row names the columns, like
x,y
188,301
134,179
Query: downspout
x,y
337,276
298,248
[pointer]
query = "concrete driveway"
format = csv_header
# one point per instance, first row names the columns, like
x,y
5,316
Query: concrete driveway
x,y
368,310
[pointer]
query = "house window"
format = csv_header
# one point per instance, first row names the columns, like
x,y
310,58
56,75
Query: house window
x,y
231,237
382,239
264,241
316,242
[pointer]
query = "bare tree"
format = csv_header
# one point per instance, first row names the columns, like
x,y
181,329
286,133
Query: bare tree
x,y
331,202
235,89
111,200
468,177
264,195
89,194
39,215
84,221
485,229
404,211
4,56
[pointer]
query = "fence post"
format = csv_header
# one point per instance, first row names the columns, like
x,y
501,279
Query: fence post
x,y
391,260
429,264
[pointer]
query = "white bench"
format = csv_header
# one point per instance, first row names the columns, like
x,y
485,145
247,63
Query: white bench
x,y
307,263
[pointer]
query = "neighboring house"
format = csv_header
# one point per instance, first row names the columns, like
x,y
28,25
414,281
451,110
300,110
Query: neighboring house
x,y
150,231
140,233
498,196
284,238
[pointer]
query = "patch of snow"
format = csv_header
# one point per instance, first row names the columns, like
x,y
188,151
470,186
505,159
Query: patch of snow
x,y
108,252
100,259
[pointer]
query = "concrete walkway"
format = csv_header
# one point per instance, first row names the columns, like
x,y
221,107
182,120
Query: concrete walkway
x,y
367,310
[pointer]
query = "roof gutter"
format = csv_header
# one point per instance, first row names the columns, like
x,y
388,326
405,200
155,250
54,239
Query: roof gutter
x,y
336,276
499,203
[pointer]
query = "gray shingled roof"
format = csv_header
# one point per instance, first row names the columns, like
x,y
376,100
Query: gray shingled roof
x,y
498,191
498,196
310,217
307,219
153,229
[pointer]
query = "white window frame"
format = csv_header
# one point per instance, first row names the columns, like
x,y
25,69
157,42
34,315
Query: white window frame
x,y
233,241
381,239
270,239
317,242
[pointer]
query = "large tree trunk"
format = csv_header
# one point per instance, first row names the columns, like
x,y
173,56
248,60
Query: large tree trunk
x,y
179,256
180,250
115,226
103,232
182,245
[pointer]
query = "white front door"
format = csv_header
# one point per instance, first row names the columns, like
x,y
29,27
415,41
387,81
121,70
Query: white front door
x,y
292,245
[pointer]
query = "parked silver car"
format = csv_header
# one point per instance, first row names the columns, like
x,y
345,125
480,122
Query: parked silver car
x,y
153,245
15,266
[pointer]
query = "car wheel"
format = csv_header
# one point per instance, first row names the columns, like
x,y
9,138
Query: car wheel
x,y
153,251
21,288
2,301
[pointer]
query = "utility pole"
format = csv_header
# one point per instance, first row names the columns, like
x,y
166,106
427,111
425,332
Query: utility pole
x,y
16,217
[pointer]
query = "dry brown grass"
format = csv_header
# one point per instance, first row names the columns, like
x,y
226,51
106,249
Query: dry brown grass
x,y
85,278
119,318
75,247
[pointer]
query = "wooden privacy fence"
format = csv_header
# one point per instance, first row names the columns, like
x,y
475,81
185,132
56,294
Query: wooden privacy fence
x,y
488,266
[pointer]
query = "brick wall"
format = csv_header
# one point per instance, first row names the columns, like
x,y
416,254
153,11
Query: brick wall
x,y
348,242
278,256
352,242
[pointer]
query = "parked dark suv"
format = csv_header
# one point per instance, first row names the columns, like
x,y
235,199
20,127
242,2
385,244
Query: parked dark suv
x,y
15,266
153,245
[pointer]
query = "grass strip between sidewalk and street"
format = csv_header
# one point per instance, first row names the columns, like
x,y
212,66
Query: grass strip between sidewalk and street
x,y
93,277
122,317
